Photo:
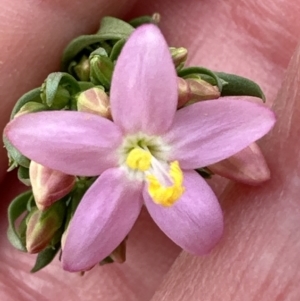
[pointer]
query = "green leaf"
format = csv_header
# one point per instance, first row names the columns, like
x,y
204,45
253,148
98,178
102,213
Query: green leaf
x,y
56,79
116,50
14,154
185,72
31,96
114,29
15,209
238,85
141,20
110,29
45,257
23,175
85,86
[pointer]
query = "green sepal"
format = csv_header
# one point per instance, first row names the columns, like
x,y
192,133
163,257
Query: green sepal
x,y
85,86
56,80
116,50
136,22
23,175
14,155
22,229
238,85
110,29
17,206
45,257
203,73
106,260
204,172
31,96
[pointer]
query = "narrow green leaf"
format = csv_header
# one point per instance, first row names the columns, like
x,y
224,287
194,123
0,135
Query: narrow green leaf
x,y
23,175
116,50
45,257
238,85
14,154
114,29
15,209
31,96
201,71
204,172
141,20
85,86
110,29
54,80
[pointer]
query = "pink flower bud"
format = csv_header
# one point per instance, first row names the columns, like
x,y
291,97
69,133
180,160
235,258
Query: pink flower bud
x,y
48,185
191,90
94,101
247,166
41,228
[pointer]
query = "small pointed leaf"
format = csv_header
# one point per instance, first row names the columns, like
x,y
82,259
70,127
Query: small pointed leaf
x,y
45,257
31,96
238,85
15,209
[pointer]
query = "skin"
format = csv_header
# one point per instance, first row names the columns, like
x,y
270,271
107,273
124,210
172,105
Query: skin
x,y
257,258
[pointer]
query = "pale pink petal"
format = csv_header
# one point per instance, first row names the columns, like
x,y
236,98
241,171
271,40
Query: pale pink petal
x,y
144,85
102,220
210,131
195,221
75,143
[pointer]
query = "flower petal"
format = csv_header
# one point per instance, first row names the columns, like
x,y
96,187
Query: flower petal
x,y
75,143
102,220
207,132
195,221
144,85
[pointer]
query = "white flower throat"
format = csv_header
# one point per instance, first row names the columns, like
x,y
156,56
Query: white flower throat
x,y
145,158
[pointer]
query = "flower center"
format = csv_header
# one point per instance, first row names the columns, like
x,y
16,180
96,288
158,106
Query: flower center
x,y
165,180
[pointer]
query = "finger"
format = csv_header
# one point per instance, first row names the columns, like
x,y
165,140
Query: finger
x,y
258,258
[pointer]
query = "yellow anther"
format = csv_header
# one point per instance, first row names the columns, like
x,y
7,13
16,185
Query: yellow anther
x,y
139,159
167,195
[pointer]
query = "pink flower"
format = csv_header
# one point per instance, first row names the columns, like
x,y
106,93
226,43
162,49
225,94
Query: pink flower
x,y
146,156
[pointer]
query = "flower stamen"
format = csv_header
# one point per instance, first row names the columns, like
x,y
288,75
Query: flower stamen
x,y
165,180
167,195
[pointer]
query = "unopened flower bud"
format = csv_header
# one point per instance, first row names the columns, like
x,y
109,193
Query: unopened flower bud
x,y
31,107
247,166
191,90
48,185
82,69
179,56
42,227
61,99
94,101
101,68
156,18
